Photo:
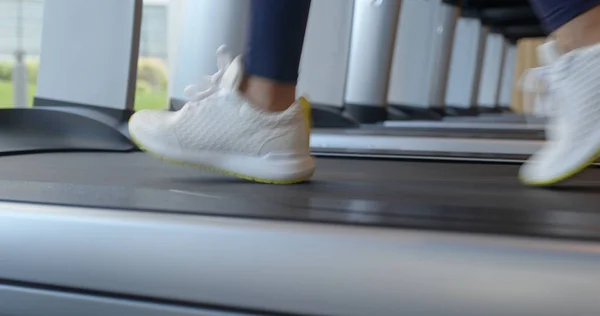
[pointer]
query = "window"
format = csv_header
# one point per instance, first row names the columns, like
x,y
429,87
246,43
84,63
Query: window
x,y
151,88
21,23
20,31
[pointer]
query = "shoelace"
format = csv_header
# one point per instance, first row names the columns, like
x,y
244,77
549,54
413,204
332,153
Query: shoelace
x,y
210,85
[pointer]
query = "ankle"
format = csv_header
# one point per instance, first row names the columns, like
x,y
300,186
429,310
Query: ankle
x,y
268,95
580,32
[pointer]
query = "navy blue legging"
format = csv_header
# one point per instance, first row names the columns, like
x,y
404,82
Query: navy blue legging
x,y
556,13
276,36
277,32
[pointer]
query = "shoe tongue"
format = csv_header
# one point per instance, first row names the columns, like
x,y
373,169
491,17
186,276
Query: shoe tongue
x,y
234,73
548,53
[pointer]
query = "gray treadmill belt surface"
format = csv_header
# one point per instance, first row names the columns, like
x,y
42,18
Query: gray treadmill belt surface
x,y
468,197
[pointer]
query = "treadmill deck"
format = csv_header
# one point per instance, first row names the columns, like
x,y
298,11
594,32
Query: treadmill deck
x,y
432,195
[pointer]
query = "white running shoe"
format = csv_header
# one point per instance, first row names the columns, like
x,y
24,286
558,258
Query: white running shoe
x,y
572,101
221,131
537,99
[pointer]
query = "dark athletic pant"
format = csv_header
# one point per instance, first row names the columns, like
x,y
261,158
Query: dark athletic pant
x,y
276,37
277,32
556,13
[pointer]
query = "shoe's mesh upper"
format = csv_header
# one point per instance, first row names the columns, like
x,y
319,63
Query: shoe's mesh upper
x,y
228,123
219,119
574,84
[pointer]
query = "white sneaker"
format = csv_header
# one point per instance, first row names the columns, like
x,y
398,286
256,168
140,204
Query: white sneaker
x,y
538,100
572,98
221,131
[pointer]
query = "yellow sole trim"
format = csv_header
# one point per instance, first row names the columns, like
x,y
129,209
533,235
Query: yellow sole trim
x,y
565,176
307,112
216,170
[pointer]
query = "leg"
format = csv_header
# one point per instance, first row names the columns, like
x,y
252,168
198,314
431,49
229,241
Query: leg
x,y
245,121
273,52
574,23
568,88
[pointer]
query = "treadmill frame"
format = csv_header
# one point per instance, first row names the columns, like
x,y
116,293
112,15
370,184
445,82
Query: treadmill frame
x,y
421,63
248,267
491,73
466,64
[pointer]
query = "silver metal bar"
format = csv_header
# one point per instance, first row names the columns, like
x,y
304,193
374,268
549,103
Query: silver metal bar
x,y
461,125
422,53
395,155
298,268
508,76
353,142
206,25
491,71
374,26
466,63
327,42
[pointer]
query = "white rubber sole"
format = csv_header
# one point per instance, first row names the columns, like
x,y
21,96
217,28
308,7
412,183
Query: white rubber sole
x,y
280,168
572,164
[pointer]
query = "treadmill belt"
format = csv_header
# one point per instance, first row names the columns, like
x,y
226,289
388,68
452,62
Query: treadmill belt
x,y
469,197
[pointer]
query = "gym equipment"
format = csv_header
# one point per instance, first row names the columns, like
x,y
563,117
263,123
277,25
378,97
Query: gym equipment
x,y
81,103
327,42
206,25
109,119
497,18
419,142
414,91
504,21
374,26
485,51
465,66
327,34
342,97
421,59
491,73
130,235
123,234
491,68
413,86
508,75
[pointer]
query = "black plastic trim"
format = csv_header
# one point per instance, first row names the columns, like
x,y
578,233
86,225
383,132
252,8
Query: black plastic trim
x,y
420,113
460,111
121,115
364,113
487,109
58,126
329,116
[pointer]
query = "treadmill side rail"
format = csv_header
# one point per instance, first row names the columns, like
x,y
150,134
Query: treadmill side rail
x,y
34,302
295,268
339,141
